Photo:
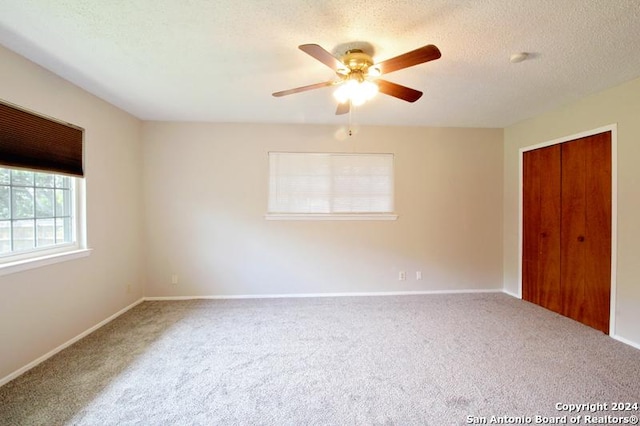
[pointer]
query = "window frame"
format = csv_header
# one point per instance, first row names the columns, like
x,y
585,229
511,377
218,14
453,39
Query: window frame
x,y
77,248
315,216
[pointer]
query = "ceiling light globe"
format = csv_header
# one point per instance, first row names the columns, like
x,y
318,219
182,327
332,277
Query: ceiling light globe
x,y
369,89
346,91
341,94
358,99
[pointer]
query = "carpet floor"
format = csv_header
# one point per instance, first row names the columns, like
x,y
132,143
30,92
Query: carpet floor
x,y
401,360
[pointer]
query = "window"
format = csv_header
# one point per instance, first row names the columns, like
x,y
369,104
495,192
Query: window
x,y
35,211
41,190
328,185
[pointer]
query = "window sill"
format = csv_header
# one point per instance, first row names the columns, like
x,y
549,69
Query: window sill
x,y
38,262
320,216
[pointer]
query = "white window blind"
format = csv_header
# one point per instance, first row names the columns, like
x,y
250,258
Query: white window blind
x,y
330,183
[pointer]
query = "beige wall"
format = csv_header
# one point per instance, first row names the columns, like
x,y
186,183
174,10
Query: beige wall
x,y
205,189
43,308
619,105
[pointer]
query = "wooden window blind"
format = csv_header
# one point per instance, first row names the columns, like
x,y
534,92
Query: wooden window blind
x,y
32,141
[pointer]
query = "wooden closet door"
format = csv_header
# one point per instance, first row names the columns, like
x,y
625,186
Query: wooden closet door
x,y
586,230
541,227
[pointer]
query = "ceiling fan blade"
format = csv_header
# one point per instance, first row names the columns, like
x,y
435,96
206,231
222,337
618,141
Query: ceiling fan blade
x,y
322,55
303,88
343,108
398,91
423,54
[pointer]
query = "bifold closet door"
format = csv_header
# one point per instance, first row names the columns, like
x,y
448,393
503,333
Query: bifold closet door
x,y
541,227
566,253
586,230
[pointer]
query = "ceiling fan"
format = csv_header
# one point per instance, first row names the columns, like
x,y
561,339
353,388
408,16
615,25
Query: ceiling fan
x,y
358,76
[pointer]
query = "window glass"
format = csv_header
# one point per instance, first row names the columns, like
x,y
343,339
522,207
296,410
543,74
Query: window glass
x,y
5,202
21,178
36,211
44,180
5,176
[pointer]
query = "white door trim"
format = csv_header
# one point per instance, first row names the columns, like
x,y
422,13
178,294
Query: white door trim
x,y
613,128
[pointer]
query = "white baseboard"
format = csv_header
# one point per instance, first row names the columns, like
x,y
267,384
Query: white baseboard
x,y
65,345
511,294
297,295
625,341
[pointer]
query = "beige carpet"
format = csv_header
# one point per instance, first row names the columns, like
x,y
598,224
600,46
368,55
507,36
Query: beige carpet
x,y
405,360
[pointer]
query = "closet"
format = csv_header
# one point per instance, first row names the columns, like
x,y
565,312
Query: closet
x,y
566,247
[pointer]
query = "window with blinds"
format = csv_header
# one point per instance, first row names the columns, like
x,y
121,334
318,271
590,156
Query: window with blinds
x,y
41,190
330,184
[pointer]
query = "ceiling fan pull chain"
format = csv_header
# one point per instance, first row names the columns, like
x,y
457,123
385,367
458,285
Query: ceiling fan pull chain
x,y
350,133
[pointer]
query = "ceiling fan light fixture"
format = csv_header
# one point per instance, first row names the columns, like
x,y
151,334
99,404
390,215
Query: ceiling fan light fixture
x,y
369,88
344,92
358,92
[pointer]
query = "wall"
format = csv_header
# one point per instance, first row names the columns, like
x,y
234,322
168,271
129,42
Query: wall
x,y
619,105
205,189
43,308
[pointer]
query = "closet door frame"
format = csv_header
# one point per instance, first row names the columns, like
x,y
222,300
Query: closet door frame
x,y
613,128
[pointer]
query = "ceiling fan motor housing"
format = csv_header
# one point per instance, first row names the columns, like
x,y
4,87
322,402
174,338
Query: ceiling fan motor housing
x,y
357,65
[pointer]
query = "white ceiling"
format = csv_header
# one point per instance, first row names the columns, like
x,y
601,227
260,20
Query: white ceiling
x,y
220,60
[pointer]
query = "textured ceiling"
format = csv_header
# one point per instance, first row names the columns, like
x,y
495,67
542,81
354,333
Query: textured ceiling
x,y
220,60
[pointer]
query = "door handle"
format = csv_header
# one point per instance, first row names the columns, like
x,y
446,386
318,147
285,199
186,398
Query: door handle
x,y
580,238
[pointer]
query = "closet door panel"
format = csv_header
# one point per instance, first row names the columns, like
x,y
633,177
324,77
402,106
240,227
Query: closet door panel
x,y
541,227
586,230
573,253
598,232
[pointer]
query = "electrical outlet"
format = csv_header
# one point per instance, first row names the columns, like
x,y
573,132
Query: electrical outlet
x,y
129,289
418,275
402,275
174,279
